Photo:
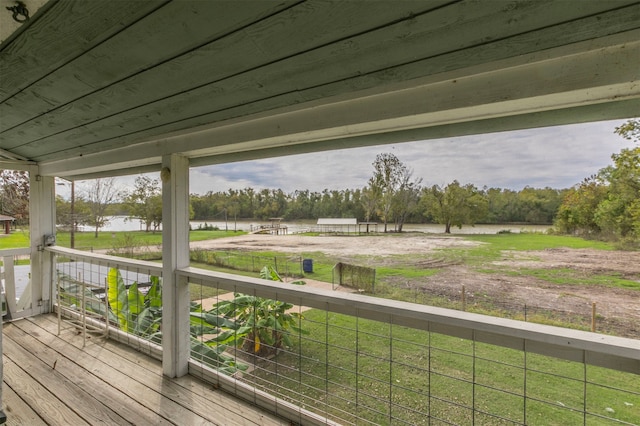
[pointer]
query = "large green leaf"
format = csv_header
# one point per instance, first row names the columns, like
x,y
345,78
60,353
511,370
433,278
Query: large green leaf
x,y
215,357
118,298
145,322
269,273
154,296
135,300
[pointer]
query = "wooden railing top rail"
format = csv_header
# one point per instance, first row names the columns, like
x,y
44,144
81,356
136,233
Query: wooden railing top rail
x,y
107,260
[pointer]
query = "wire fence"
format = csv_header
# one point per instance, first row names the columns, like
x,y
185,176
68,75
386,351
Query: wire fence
x,y
360,278
583,316
286,266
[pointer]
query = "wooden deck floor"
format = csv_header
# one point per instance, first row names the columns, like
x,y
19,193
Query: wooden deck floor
x,y
52,380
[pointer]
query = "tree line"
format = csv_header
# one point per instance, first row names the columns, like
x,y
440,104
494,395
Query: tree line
x,y
455,203
607,204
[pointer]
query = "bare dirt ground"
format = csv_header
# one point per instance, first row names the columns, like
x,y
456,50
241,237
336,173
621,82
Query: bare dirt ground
x,y
618,308
337,245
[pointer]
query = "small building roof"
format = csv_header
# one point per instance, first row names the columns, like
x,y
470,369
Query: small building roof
x,y
4,218
337,221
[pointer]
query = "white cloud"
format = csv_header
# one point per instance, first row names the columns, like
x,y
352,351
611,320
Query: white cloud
x,y
558,157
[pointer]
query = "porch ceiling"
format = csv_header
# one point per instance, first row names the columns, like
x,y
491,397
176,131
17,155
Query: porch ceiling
x,y
97,87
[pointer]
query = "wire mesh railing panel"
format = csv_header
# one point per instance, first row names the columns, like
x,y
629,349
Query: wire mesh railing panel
x,y
352,369
123,295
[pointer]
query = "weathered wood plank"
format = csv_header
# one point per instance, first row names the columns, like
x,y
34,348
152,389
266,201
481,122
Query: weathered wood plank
x,y
209,398
17,411
120,375
239,51
60,35
39,398
344,70
22,351
92,385
240,89
119,358
170,31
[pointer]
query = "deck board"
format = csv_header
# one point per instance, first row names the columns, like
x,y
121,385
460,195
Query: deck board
x,y
51,379
18,412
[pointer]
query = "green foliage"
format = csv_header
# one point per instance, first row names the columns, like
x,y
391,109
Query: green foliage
x,y
136,313
14,195
608,203
260,326
141,314
454,205
145,202
577,212
391,190
99,196
530,205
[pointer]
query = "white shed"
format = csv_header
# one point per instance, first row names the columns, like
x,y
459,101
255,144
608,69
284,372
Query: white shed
x,y
341,225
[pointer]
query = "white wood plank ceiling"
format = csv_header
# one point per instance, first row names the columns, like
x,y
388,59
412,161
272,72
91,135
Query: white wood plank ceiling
x,y
108,87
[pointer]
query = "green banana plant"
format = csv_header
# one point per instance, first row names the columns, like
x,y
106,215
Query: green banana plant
x,y
260,326
136,313
141,314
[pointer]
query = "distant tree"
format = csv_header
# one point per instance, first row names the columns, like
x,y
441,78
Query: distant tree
x,y
608,202
576,214
630,130
145,202
537,205
369,200
98,196
14,195
390,184
619,213
406,199
454,205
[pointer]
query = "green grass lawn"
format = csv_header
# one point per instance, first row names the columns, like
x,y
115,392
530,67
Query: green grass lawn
x,y
439,375
493,246
109,240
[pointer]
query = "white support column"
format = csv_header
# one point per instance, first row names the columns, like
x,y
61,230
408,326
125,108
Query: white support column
x,y
42,221
175,254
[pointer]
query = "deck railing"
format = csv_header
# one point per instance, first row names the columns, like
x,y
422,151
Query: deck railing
x,y
15,277
355,359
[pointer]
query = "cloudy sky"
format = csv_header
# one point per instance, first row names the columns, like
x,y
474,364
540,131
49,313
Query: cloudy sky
x,y
557,157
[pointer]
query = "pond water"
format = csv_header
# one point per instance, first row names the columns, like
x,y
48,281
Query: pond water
x,y
123,223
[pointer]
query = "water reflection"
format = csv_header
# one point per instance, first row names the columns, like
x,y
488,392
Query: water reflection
x,y
123,223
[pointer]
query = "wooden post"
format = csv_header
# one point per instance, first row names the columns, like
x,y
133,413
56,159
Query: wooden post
x,y
175,254
593,317
464,298
42,219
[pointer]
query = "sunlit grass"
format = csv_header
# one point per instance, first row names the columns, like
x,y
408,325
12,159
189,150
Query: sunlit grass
x,y
568,276
109,240
441,375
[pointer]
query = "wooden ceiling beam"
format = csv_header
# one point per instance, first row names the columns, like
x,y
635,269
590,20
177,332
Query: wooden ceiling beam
x,y
588,73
